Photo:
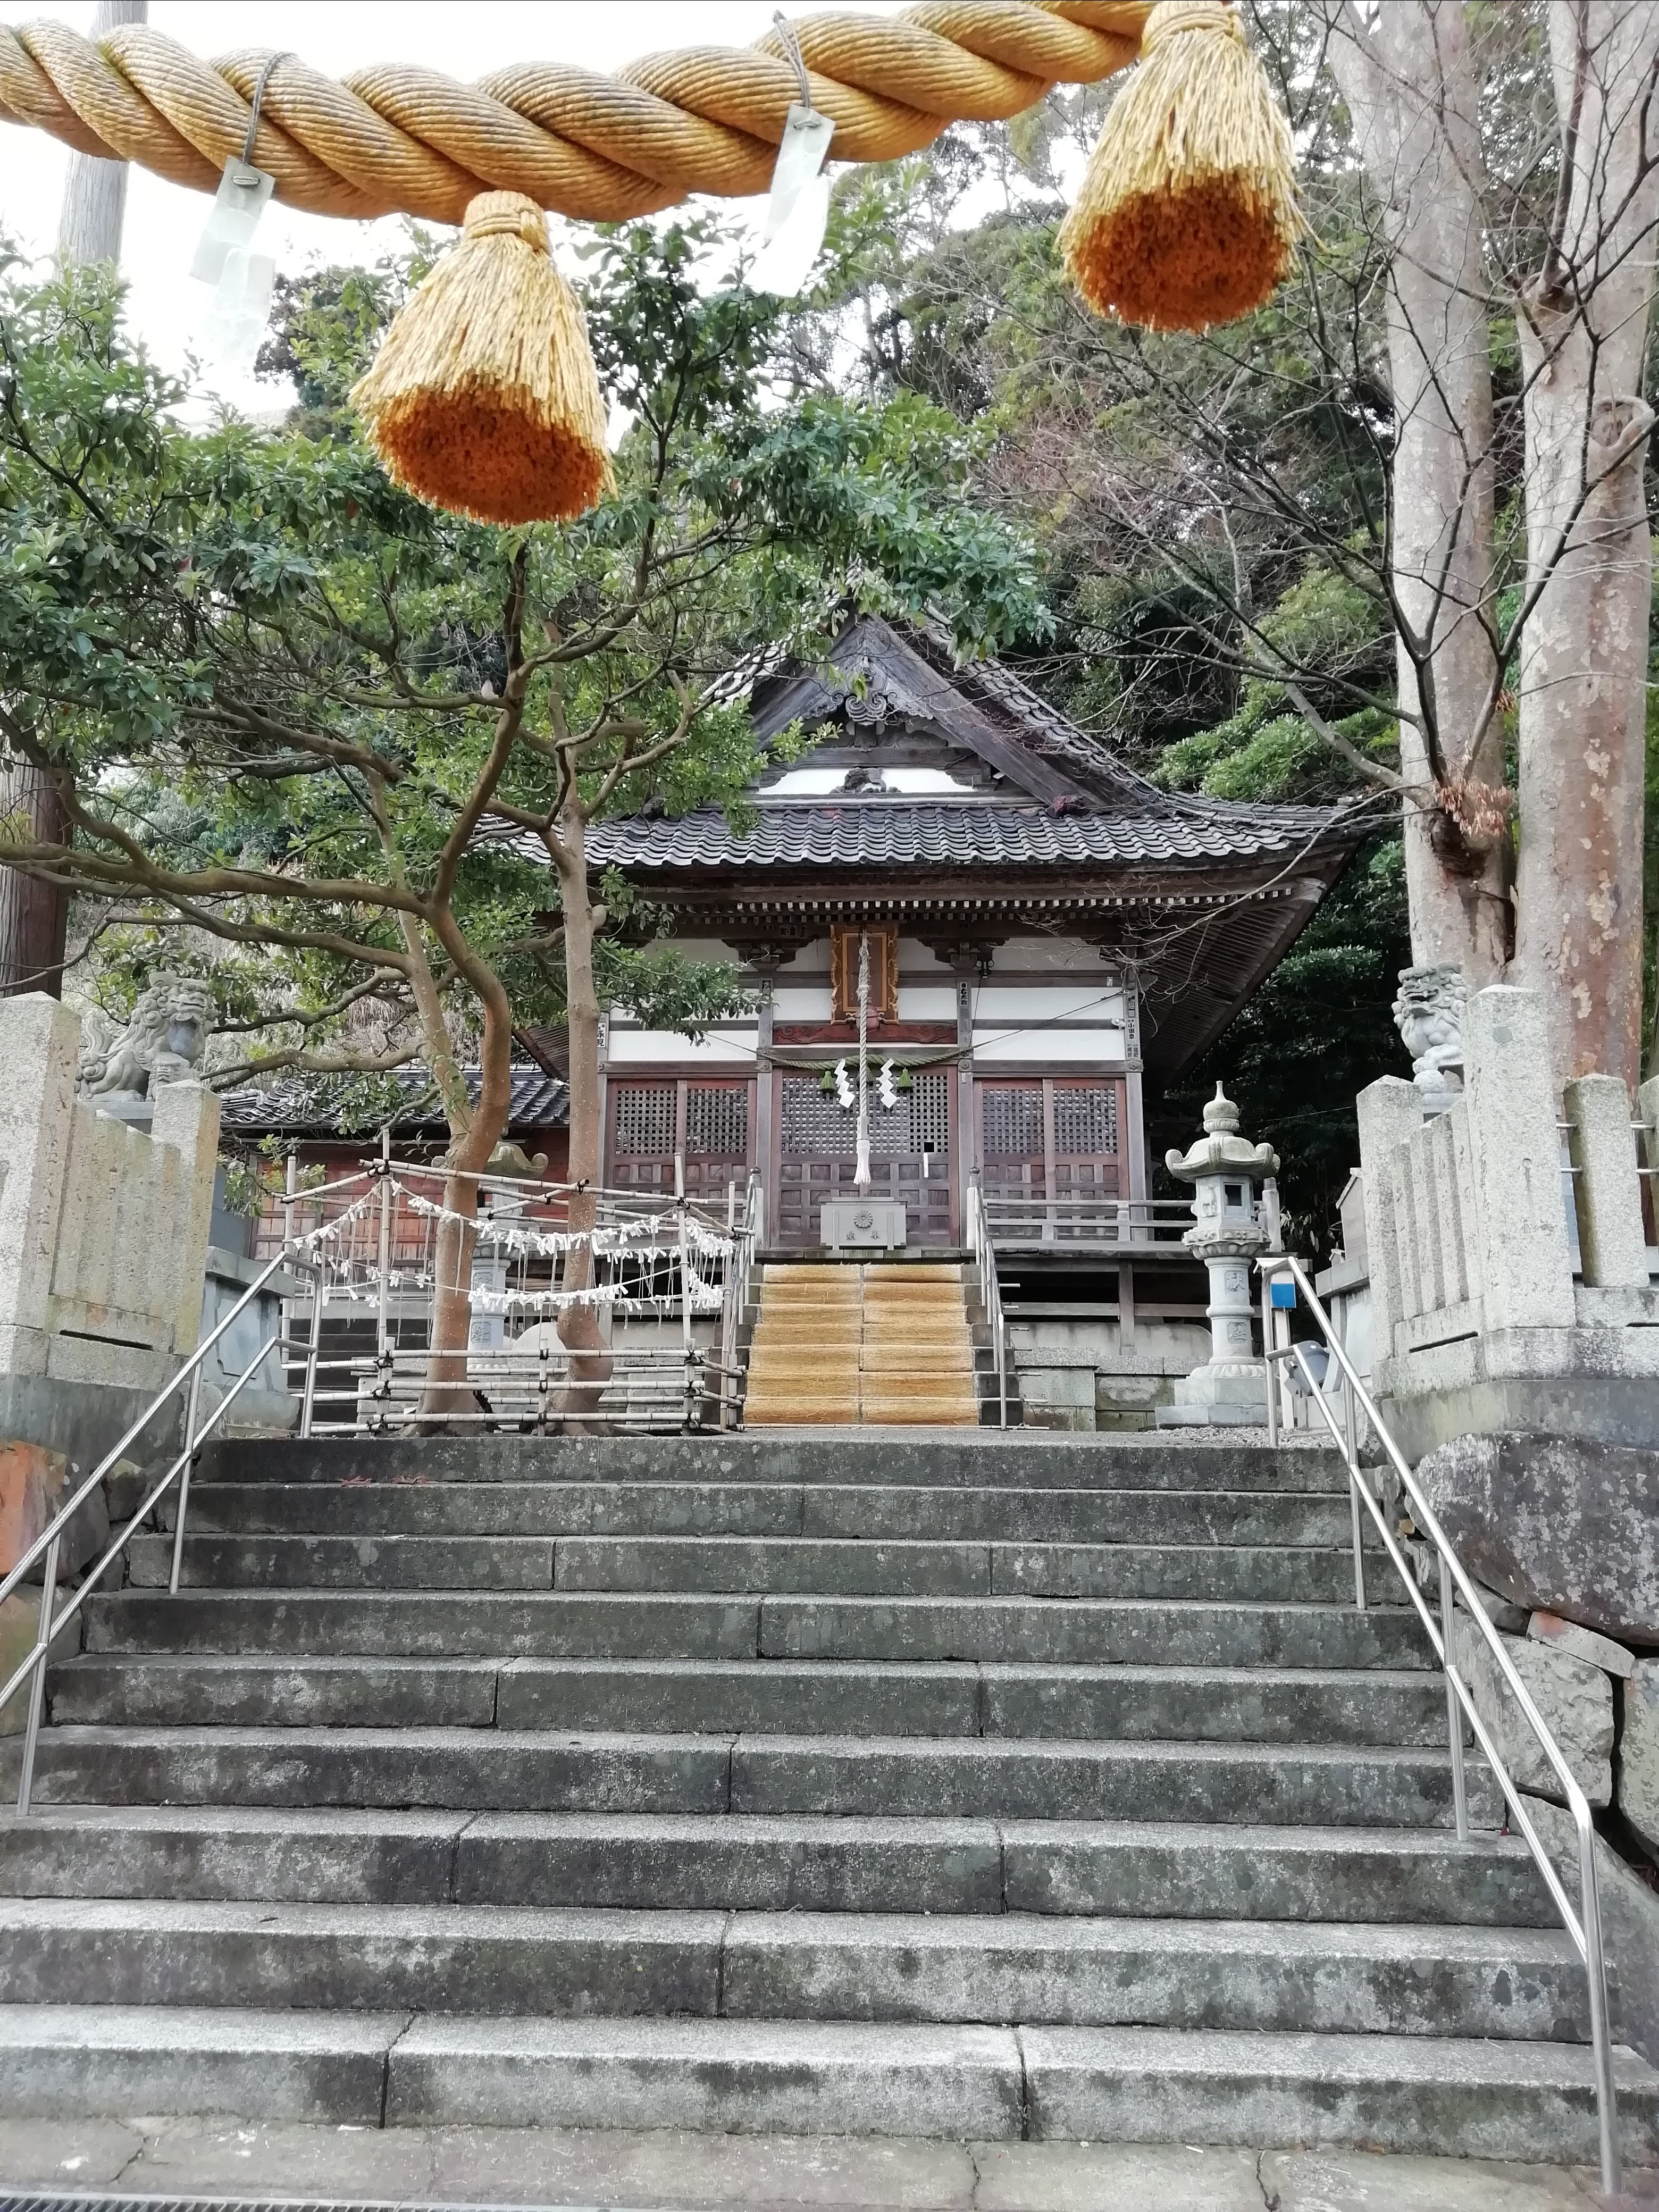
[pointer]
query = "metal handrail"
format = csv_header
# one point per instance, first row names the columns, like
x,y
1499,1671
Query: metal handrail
x,y
985,1260
1584,1928
747,1241
48,1545
189,1370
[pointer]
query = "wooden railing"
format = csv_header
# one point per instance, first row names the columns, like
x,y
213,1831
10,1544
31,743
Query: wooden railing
x,y
1024,1224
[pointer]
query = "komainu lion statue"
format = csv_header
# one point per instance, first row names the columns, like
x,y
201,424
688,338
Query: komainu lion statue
x,y
163,1041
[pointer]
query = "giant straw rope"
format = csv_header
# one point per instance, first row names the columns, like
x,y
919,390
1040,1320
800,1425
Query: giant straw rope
x,y
484,397
397,139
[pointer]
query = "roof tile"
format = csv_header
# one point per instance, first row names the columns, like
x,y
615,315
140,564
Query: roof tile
x,y
888,832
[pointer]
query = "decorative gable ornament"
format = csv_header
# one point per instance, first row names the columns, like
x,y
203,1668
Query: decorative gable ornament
x,y
871,695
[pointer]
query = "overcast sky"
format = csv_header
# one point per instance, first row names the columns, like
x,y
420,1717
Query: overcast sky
x,y
466,37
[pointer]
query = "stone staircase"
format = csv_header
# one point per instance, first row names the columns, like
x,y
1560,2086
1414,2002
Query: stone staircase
x,y
838,1342
964,1786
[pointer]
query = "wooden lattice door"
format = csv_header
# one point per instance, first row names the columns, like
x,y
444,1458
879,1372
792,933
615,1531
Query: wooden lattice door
x,y
708,1124
1050,1151
910,1155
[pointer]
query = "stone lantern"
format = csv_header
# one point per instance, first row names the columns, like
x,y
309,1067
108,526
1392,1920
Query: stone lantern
x,y
1226,1173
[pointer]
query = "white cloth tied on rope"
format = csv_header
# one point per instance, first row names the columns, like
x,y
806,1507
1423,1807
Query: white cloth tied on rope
x,y
660,1232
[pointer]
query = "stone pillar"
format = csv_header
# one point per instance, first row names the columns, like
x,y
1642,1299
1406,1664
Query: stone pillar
x,y
1607,1188
1388,1111
187,1118
40,1043
1514,1155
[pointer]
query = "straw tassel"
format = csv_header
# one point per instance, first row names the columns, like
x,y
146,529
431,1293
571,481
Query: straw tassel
x,y
484,397
1187,216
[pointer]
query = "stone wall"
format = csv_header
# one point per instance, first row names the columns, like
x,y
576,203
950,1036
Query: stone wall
x,y
1478,1321
1080,1375
103,1239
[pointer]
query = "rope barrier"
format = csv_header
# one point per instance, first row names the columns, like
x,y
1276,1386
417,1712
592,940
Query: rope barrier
x,y
393,138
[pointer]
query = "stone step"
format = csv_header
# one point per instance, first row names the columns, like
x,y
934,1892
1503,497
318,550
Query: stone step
x,y
862,1566
1420,2094
600,1624
544,1771
799,1697
800,1407
1092,1630
70,2061
1041,1460
732,1861
737,1509
1004,1968
1429,2096
436,1563
856,1567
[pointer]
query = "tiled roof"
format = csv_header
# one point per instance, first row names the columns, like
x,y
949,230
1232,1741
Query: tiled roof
x,y
305,1103
892,832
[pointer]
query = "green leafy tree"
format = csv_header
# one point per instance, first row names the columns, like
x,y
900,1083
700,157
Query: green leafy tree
x,y
291,711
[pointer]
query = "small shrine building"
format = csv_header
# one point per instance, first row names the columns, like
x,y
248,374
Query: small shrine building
x,y
1049,934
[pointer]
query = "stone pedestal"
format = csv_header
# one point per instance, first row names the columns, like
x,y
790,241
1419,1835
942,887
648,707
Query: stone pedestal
x,y
1231,1389
862,1224
1226,1171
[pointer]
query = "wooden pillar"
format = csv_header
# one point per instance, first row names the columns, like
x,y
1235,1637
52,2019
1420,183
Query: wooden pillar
x,y
1135,1128
967,1136
765,1086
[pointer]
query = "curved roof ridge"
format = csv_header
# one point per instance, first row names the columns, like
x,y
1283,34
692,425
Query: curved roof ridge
x,y
1093,755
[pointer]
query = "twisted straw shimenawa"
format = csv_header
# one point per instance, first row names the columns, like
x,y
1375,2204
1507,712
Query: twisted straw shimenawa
x,y
393,138
484,398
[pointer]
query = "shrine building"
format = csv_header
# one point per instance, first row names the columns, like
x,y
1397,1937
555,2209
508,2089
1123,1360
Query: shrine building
x,y
1049,935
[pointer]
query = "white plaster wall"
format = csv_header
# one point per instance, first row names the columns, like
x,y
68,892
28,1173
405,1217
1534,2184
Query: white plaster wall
x,y
800,1002
927,1002
1056,1045
631,1048
1096,1001
812,959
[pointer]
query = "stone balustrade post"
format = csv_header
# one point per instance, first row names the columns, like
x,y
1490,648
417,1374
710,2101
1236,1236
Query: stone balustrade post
x,y
187,1118
1388,1111
1519,1222
1647,1112
40,1043
1607,1188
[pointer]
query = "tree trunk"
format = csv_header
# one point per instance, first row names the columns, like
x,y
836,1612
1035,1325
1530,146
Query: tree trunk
x,y
1585,650
34,916
578,1326
1413,91
448,1391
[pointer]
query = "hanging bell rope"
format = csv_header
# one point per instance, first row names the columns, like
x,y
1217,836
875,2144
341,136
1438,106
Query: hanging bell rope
x,y
484,397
